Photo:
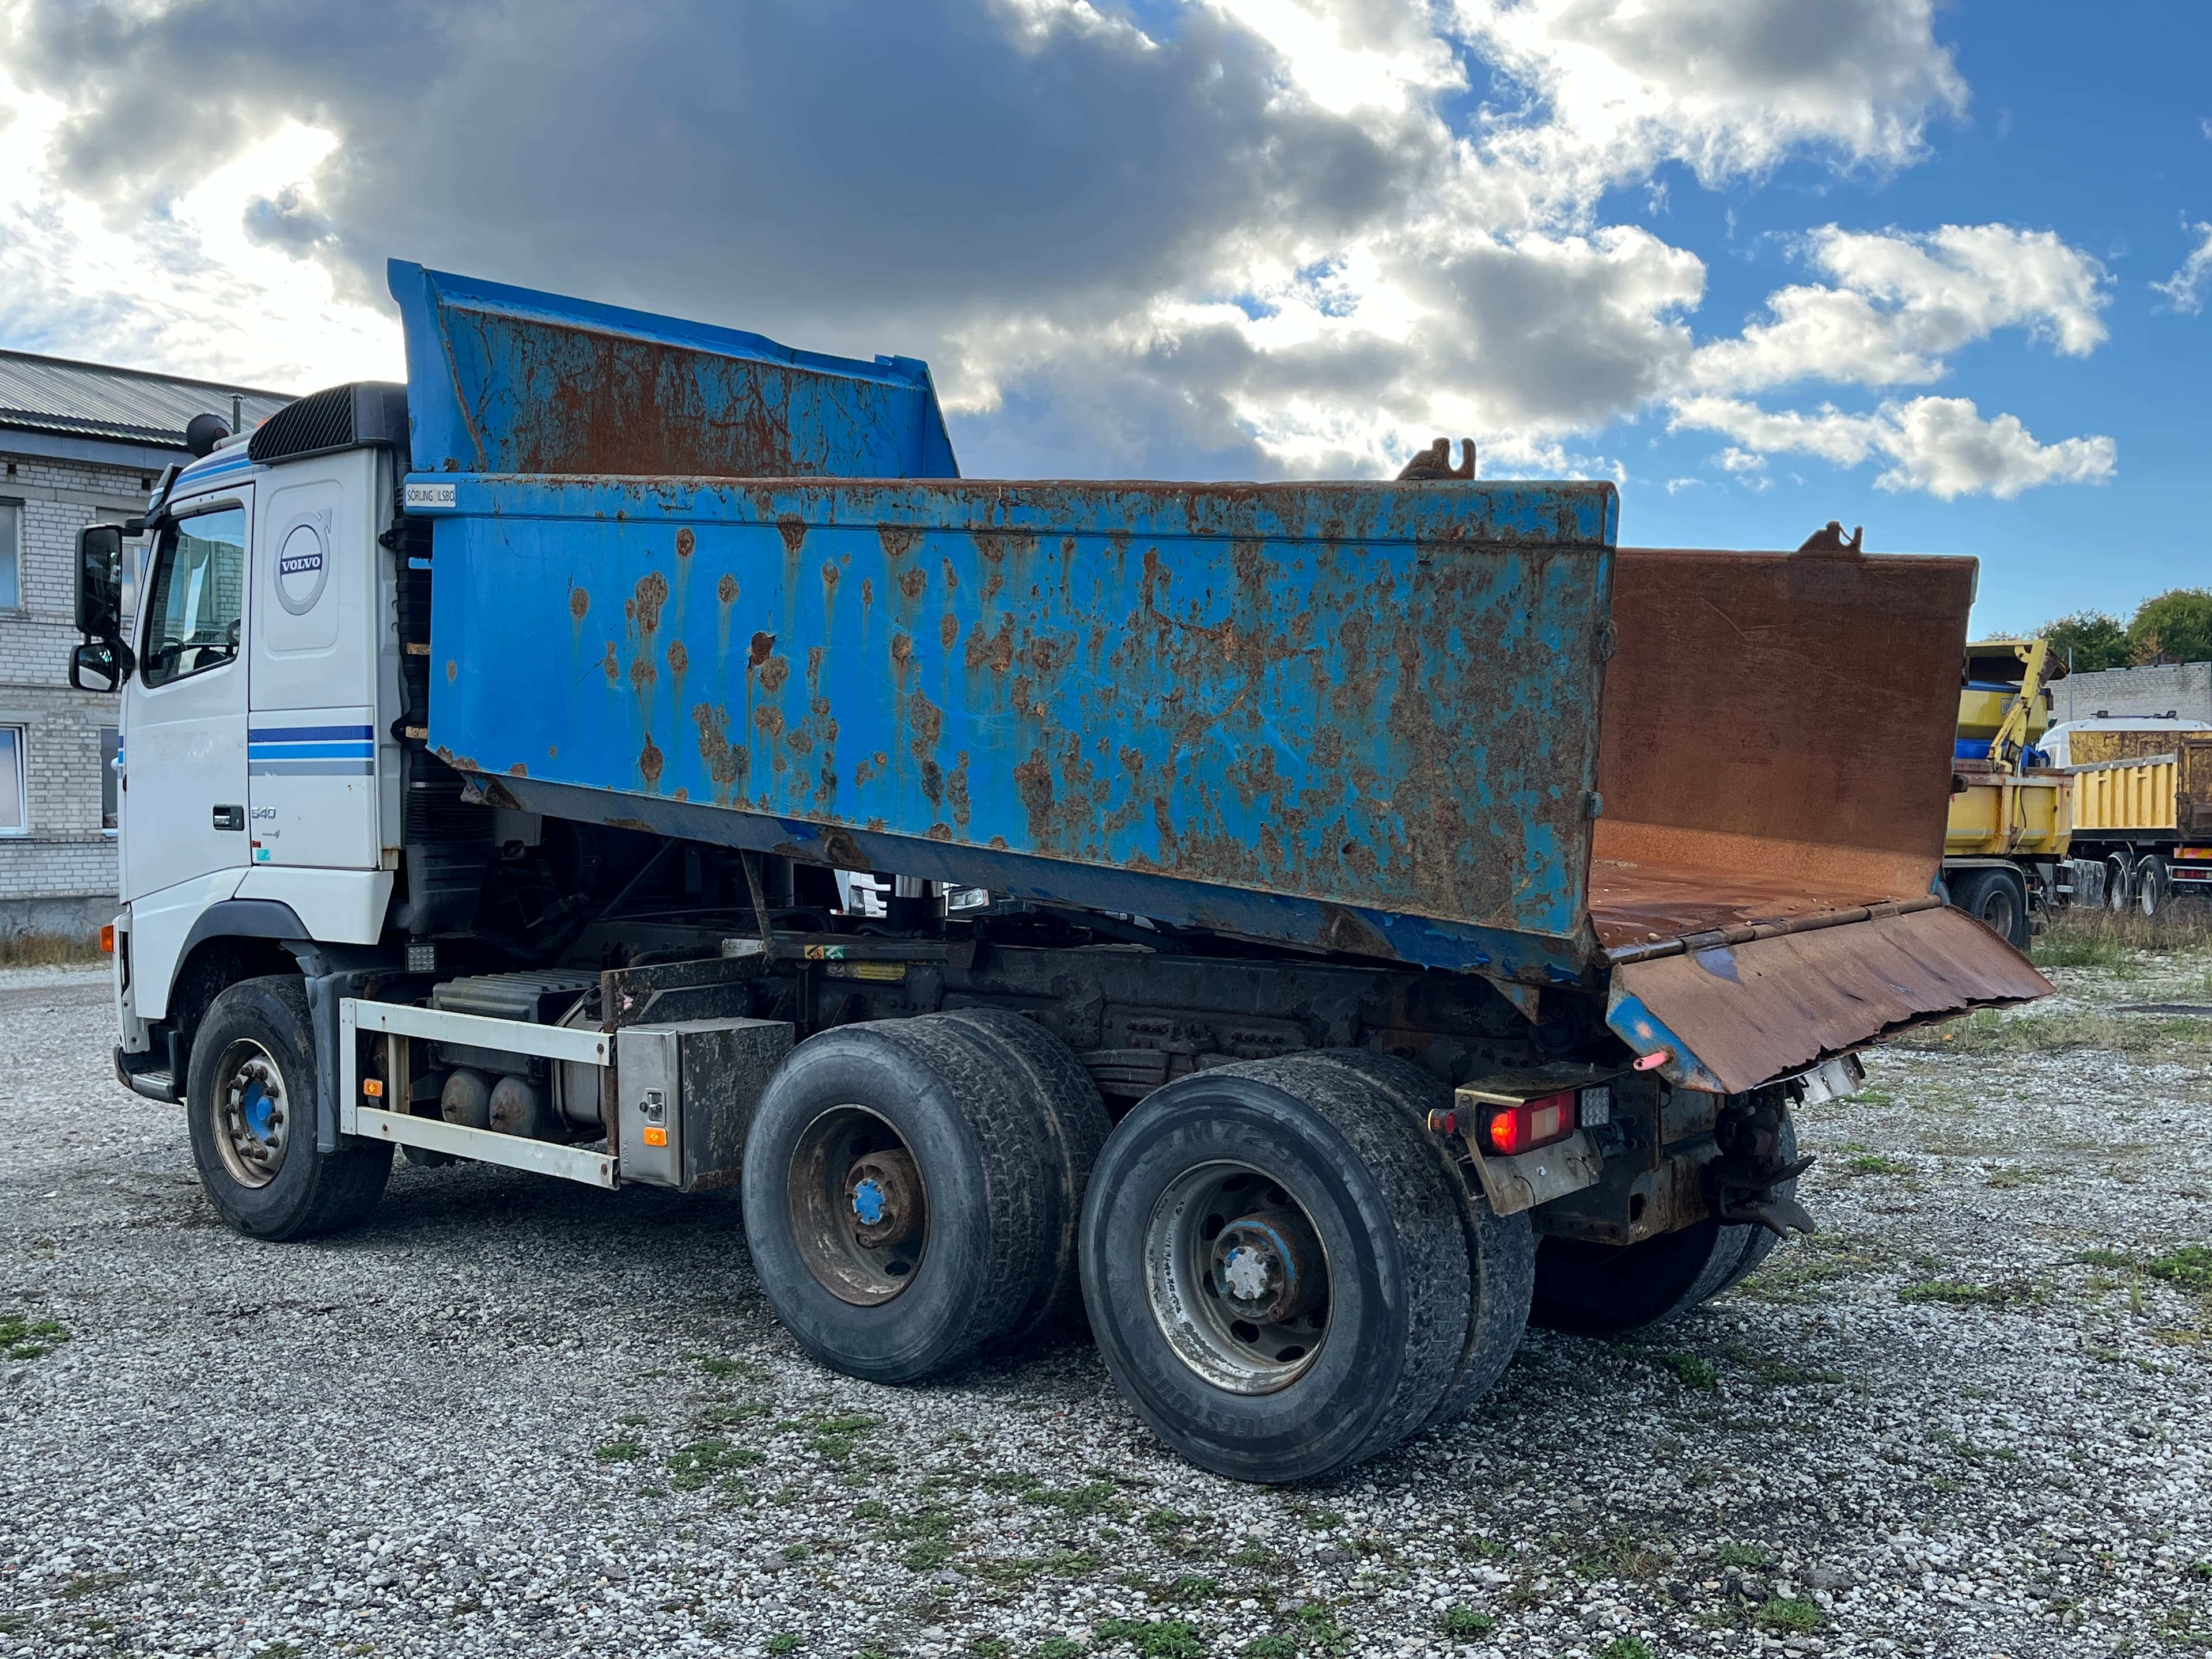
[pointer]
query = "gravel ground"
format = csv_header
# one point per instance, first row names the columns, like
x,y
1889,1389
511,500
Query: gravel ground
x,y
514,1417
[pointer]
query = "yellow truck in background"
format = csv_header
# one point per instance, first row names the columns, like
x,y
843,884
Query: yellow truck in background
x,y
2143,806
2006,846
2116,813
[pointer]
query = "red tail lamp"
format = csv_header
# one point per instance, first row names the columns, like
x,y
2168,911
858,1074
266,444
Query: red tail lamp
x,y
1533,1123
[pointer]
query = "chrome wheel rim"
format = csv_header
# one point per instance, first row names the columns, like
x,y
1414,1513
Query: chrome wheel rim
x,y
859,1206
1237,1278
253,1114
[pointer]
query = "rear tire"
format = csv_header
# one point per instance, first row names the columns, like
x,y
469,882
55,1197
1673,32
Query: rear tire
x,y
898,1197
2153,887
1275,1268
1501,1249
250,1109
1051,1082
2119,883
1602,1290
1997,899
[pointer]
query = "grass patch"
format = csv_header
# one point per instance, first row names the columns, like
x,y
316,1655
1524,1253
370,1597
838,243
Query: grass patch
x,y
1956,1295
1991,1032
1691,1370
727,1414
1463,1624
1058,1647
1874,1164
1624,1647
1792,1615
783,1642
1273,1645
1739,1555
45,950
692,1467
1194,1587
1089,1499
1154,1638
24,1338
991,1647
1256,1556
2099,939
2190,1267
618,1451
91,1584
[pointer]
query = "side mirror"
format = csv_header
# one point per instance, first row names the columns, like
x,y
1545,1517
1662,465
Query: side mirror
x,y
100,582
100,665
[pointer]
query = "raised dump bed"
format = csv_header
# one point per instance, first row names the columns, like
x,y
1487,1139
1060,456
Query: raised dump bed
x,y
1447,723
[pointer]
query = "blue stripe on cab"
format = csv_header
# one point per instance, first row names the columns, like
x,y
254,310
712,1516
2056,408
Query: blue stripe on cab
x,y
309,733
309,751
310,769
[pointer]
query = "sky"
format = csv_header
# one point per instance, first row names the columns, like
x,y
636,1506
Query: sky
x,y
1941,270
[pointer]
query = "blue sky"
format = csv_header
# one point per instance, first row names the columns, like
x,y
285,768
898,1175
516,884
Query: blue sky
x,y
2097,134
1765,262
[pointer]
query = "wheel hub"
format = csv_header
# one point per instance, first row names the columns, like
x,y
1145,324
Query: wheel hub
x,y
882,1190
859,1206
1237,1278
253,1116
1265,1264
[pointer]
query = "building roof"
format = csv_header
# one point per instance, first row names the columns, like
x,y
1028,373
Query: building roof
x,y
92,400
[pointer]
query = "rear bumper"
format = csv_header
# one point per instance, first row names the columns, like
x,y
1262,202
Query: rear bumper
x,y
1729,1018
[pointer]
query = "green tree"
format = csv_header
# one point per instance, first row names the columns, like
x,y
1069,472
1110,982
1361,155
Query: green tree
x,y
2094,639
2177,623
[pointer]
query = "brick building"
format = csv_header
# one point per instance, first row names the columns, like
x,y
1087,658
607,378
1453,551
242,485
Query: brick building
x,y
80,444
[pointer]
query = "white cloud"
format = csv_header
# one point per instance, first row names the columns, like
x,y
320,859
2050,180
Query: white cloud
x,y
2185,289
1901,302
1727,86
190,289
1259,237
1938,444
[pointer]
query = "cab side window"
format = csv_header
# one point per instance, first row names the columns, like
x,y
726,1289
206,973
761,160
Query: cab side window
x,y
196,608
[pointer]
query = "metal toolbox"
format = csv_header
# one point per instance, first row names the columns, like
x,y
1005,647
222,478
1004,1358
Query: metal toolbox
x,y
685,1094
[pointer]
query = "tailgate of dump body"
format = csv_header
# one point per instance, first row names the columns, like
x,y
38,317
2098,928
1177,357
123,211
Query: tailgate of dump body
x,y
1776,767
1362,717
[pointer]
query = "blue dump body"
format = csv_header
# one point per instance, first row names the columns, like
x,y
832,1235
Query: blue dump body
x,y
1361,715
688,581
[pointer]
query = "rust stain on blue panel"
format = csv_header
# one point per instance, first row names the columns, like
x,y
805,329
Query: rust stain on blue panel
x,y
1381,698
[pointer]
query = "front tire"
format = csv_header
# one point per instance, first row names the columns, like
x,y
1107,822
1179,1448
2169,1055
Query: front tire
x,y
1275,1268
249,1099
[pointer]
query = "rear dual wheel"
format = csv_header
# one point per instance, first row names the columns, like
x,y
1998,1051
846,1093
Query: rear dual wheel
x,y
911,1190
1284,1272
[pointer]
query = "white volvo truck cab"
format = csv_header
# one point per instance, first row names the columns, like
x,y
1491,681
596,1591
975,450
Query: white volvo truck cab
x,y
293,860
261,779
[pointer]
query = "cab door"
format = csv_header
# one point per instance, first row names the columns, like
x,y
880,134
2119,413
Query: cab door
x,y
183,753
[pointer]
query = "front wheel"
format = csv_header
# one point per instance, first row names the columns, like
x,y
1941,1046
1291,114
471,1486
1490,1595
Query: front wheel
x,y
1276,1268
250,1109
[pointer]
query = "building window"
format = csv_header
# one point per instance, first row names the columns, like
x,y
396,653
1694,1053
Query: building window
x,y
12,813
110,749
11,556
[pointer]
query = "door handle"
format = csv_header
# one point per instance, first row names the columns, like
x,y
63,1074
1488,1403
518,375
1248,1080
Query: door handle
x,y
230,817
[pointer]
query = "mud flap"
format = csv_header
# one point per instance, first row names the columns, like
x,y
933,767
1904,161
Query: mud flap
x,y
1729,1018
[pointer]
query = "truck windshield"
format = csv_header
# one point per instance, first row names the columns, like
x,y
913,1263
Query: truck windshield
x,y
198,596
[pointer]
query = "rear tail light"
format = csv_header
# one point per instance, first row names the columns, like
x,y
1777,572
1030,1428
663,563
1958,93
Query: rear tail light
x,y
1533,1123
